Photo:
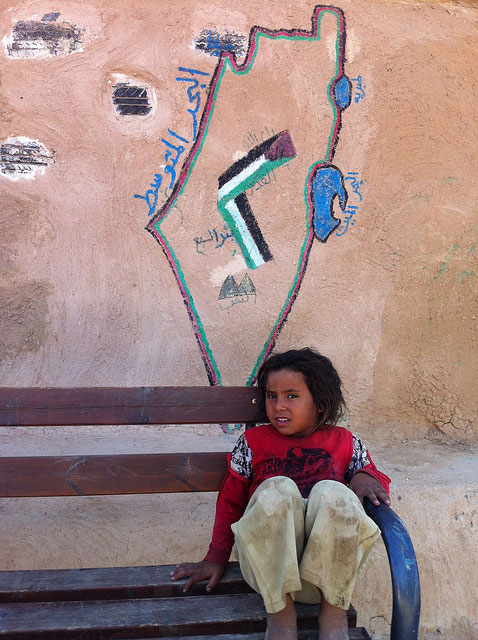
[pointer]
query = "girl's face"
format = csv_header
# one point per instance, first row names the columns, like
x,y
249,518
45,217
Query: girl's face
x,y
290,406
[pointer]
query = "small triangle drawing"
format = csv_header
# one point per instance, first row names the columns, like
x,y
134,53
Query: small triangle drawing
x,y
246,288
228,289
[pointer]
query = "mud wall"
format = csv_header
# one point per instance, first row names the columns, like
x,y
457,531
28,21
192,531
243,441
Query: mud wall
x,y
187,186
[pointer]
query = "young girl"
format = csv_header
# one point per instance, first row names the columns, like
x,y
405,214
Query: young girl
x,y
291,500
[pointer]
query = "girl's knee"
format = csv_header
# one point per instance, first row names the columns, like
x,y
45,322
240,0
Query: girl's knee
x,y
334,494
271,505
277,491
280,484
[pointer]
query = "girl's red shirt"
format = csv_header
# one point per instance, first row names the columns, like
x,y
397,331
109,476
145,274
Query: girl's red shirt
x,y
262,452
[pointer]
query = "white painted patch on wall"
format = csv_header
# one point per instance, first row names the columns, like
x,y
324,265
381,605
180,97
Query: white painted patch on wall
x,y
213,43
235,266
42,38
237,155
22,157
331,43
120,77
353,45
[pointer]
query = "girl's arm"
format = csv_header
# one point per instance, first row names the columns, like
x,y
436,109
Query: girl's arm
x,y
230,506
364,478
366,486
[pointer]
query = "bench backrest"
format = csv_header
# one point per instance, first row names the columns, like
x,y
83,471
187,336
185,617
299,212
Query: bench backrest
x,y
36,476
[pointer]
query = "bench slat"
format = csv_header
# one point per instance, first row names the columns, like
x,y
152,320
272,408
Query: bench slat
x,y
163,617
111,475
107,584
358,633
132,405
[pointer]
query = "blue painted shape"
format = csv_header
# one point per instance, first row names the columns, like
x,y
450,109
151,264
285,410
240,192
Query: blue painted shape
x,y
327,183
343,93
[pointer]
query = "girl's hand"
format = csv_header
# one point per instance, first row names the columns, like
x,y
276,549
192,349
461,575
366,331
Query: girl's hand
x,y
197,571
365,486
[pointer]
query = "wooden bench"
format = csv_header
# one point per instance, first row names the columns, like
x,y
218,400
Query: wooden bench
x,y
142,602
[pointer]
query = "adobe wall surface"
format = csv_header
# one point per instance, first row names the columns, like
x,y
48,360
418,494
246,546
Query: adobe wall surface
x,y
362,214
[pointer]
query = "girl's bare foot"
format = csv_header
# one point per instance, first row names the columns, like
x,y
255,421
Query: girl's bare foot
x,y
282,625
332,622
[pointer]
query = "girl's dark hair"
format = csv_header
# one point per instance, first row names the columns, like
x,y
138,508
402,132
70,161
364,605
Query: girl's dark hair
x,y
321,378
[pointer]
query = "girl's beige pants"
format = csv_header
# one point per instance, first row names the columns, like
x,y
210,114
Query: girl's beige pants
x,y
303,547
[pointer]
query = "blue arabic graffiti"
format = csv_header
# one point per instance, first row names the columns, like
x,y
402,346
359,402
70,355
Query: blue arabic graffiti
x,y
355,183
193,97
217,237
347,221
173,150
352,210
359,89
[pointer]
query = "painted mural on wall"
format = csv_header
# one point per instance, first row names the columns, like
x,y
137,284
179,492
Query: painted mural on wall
x,y
245,147
262,196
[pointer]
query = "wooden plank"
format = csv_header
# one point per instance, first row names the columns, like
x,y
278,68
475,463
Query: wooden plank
x,y
111,475
124,618
115,583
359,633
163,617
135,405
107,584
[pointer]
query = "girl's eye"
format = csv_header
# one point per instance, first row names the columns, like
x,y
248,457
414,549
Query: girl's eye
x,y
292,395
270,396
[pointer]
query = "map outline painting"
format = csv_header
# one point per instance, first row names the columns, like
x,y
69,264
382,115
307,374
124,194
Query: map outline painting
x,y
339,97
